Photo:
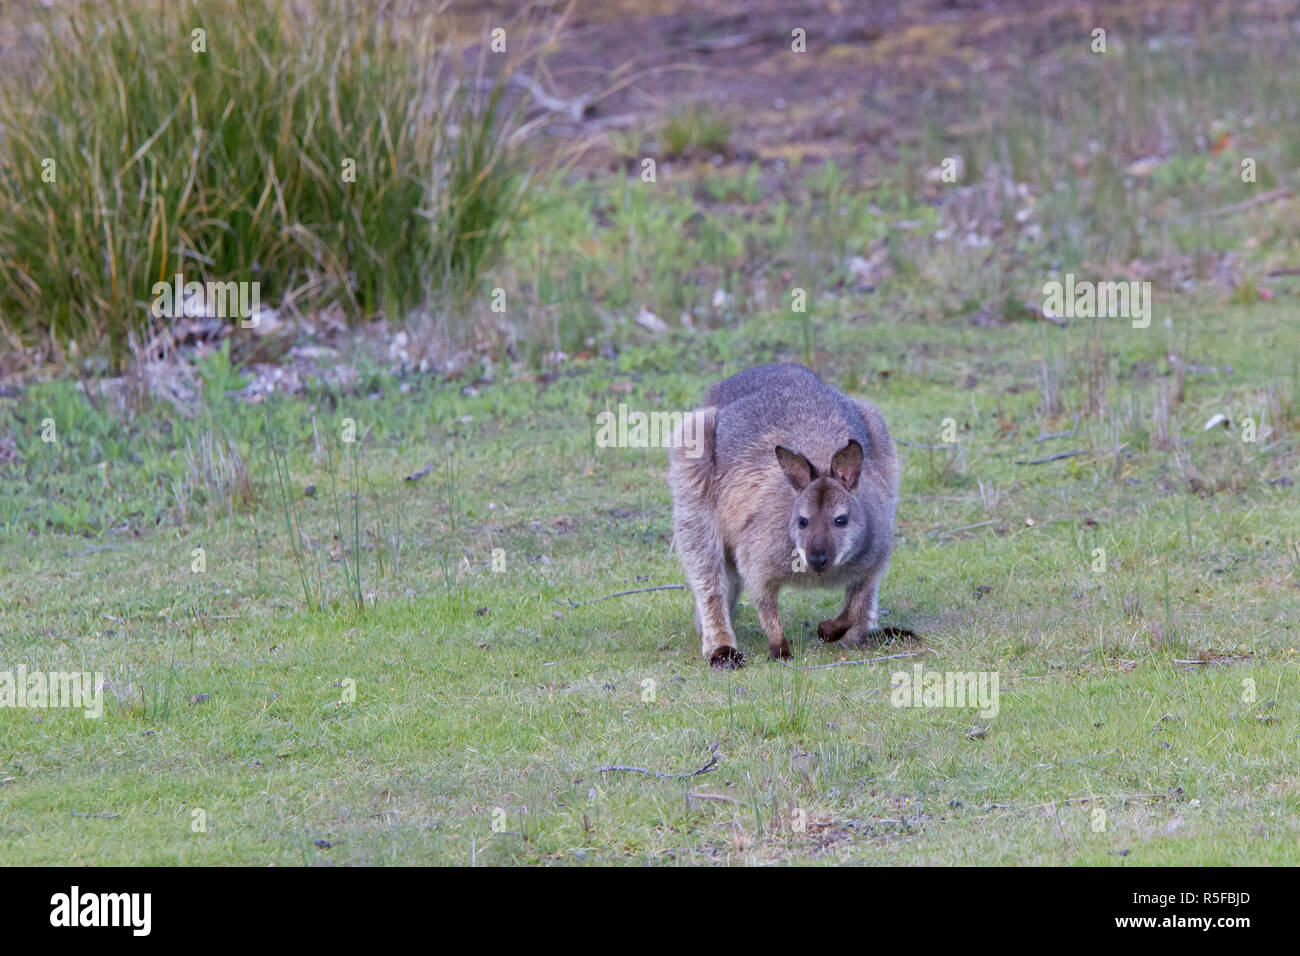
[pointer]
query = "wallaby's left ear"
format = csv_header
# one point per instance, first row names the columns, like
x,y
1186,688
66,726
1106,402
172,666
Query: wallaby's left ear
x,y
798,469
847,465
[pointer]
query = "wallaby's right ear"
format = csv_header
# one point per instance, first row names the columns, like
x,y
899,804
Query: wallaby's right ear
x,y
797,468
847,464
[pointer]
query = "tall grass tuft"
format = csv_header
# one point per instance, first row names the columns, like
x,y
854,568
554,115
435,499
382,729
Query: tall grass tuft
x,y
304,557
351,569
325,149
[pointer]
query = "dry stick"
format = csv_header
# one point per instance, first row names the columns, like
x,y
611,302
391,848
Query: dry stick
x,y
1074,800
1262,199
713,760
965,527
1058,763
712,796
1056,457
659,587
917,444
734,42
1042,438
102,816
863,660
575,109
915,821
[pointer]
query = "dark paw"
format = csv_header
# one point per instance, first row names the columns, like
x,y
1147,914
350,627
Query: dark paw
x,y
727,657
830,631
882,635
779,651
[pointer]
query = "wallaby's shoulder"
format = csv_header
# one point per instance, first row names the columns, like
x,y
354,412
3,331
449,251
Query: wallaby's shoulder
x,y
766,379
881,447
789,398
789,404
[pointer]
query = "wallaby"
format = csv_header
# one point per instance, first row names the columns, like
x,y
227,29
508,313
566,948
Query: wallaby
x,y
793,483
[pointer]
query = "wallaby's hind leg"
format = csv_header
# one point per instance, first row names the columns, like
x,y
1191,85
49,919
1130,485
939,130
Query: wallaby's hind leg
x,y
699,543
733,589
701,555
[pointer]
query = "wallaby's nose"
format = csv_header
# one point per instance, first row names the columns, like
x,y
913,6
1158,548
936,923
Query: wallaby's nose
x,y
817,560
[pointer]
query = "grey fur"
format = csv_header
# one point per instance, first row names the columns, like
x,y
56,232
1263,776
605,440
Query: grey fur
x,y
782,445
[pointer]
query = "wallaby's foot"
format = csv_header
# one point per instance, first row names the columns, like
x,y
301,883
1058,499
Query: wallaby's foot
x,y
832,630
779,651
891,633
883,635
727,657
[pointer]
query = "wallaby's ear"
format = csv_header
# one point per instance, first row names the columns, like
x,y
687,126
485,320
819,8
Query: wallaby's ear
x,y
847,465
797,468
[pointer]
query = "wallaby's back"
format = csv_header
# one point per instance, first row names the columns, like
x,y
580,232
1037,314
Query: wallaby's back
x,y
787,405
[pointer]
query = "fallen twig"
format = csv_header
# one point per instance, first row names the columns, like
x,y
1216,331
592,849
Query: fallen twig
x,y
713,761
715,44
1216,660
917,444
102,816
659,587
862,660
575,109
1042,438
1057,457
965,527
417,475
1273,195
1077,800
712,796
1058,763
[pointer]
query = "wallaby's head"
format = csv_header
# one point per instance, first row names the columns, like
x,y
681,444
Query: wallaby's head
x,y
828,522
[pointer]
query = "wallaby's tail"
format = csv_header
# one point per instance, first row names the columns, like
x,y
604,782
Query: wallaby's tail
x,y
690,464
690,456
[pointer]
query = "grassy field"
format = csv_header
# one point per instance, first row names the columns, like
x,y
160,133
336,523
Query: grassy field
x,y
370,623
479,691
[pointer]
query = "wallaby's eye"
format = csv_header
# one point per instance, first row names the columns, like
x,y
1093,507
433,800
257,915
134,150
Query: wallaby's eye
x,y
803,522
841,521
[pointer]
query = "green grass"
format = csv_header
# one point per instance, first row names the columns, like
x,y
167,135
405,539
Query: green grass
x,y
460,713
398,668
698,131
329,155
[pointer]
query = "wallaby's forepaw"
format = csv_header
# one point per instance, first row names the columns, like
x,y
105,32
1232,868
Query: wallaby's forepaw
x,y
832,630
779,651
727,657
